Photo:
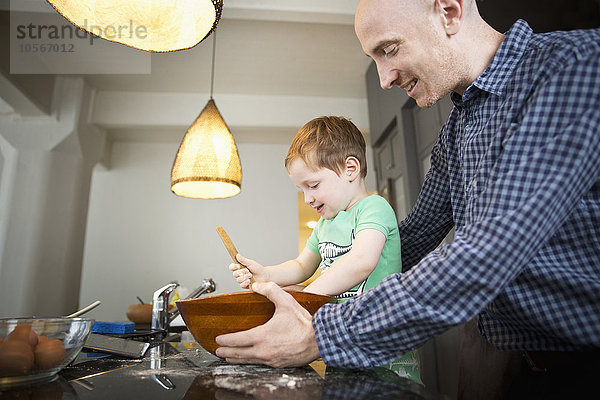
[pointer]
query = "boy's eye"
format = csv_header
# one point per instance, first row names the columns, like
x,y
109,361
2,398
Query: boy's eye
x,y
313,186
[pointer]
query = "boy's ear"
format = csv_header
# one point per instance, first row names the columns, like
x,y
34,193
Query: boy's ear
x,y
450,12
352,169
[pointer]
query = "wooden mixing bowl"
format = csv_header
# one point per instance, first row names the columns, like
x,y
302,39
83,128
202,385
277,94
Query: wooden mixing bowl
x,y
141,313
211,316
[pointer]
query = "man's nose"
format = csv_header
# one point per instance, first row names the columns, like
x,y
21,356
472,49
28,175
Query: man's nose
x,y
387,77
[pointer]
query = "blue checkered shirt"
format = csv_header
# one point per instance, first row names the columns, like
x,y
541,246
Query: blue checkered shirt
x,y
516,170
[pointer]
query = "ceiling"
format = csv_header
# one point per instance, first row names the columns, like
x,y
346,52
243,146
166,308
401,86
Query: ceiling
x,y
300,48
278,64
285,61
259,56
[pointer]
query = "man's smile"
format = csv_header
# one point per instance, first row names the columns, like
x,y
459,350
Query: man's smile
x,y
409,86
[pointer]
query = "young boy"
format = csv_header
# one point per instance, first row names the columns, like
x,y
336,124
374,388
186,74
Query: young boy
x,y
356,242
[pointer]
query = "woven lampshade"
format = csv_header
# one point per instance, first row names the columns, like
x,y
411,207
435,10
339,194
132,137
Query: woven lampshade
x,y
151,25
207,165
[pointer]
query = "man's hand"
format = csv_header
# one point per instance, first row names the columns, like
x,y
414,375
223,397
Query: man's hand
x,y
286,340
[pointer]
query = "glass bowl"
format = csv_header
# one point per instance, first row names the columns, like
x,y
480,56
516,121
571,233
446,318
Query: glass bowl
x,y
34,350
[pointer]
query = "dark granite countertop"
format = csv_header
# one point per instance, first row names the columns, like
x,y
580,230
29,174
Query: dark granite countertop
x,y
173,371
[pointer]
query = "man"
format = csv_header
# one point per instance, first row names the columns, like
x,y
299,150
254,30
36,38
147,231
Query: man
x,y
516,171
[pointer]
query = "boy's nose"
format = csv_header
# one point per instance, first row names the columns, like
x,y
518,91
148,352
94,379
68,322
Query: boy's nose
x,y
308,198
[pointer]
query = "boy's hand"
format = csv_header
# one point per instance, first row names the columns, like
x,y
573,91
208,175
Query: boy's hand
x,y
246,269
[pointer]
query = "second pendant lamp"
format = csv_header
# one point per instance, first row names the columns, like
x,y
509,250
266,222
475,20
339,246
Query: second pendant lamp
x,y
207,164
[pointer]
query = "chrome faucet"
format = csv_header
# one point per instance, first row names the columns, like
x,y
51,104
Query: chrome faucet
x,y
160,307
161,318
207,286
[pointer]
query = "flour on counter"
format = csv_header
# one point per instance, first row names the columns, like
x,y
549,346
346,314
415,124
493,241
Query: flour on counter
x,y
257,379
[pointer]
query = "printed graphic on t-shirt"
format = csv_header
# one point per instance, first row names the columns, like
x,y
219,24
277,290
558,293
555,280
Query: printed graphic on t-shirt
x,y
329,252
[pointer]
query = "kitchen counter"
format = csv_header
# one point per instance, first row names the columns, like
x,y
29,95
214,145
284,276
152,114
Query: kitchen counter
x,y
176,371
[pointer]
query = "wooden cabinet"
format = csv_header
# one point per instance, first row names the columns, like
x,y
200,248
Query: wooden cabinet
x,y
382,105
402,135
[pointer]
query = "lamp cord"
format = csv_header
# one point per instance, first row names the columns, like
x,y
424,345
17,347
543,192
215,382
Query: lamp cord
x,y
212,71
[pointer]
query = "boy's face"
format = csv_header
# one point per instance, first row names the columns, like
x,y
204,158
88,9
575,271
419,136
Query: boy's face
x,y
323,189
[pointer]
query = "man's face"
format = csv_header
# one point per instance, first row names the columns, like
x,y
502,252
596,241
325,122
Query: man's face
x,y
407,41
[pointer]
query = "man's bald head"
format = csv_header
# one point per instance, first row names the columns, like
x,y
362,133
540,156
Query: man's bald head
x,y
426,47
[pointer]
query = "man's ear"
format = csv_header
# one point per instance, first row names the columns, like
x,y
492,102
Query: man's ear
x,y
352,168
451,13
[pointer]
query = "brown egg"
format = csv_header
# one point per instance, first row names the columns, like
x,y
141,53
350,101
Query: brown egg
x,y
23,333
16,358
49,352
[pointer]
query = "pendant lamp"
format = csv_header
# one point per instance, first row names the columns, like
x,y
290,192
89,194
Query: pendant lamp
x,y
151,25
207,165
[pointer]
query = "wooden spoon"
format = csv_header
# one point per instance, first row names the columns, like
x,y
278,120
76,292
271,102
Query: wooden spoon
x,y
231,248
84,310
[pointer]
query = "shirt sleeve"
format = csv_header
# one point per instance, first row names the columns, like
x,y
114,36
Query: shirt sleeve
x,y
376,214
547,160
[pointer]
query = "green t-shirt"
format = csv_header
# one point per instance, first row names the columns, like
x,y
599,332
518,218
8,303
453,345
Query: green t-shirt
x,y
333,238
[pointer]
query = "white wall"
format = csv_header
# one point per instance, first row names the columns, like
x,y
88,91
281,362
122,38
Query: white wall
x,y
140,236
46,176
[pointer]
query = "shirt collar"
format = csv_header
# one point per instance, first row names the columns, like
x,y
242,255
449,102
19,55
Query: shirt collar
x,y
496,76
